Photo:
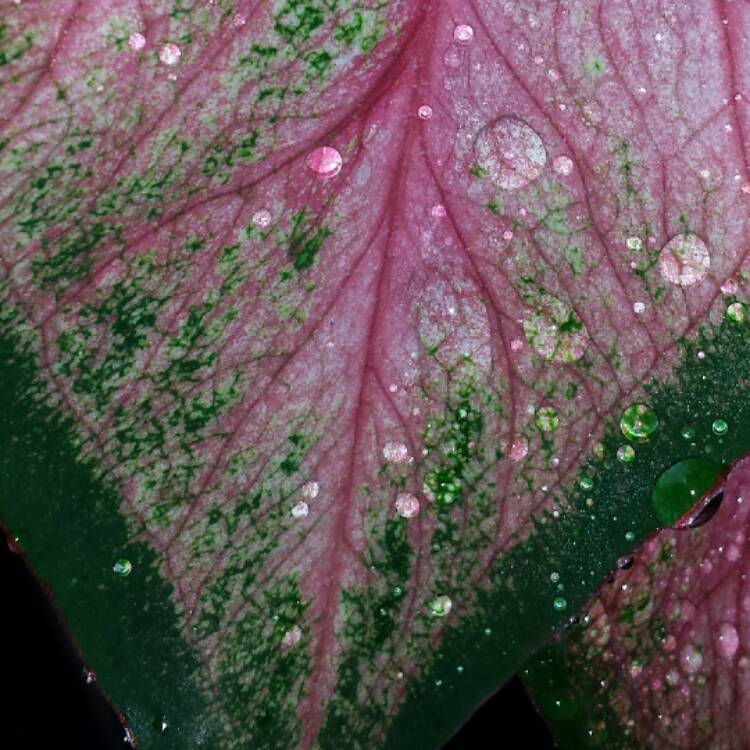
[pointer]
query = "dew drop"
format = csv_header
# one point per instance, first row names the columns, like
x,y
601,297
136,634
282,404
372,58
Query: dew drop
x,y
440,606
719,426
407,505
136,41
586,483
310,490
629,536
519,449
512,153
625,453
122,567
728,641
634,243
638,422
300,510
463,33
729,287
737,312
262,218
688,432
706,513
395,453
424,112
324,161
691,659
625,563
684,260
170,54
239,20
563,165
291,637
554,576
639,308
438,212
681,486
559,603
546,419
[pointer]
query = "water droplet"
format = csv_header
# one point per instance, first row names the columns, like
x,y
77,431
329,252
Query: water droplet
x,y
634,243
554,576
136,41
728,641
729,287
737,312
291,637
170,54
397,591
638,422
629,536
438,212
425,112
324,161
639,308
559,603
300,510
563,165
407,505
239,20
395,453
684,260
719,426
586,483
706,513
625,563
546,419
122,567
440,606
512,153
691,659
519,449
262,218
681,486
625,453
688,432
310,490
463,33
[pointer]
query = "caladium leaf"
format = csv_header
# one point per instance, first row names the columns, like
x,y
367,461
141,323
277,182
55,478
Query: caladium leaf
x,y
660,656
323,324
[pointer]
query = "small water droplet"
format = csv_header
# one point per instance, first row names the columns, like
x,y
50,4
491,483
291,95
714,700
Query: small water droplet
x,y
463,33
438,212
395,453
639,308
638,422
688,432
684,260
291,637
512,153
239,20
737,312
407,505
563,165
729,287
425,112
518,449
706,513
625,453
634,243
728,641
691,659
122,567
546,419
559,603
300,510
324,161
554,576
625,563
629,536
719,426
170,54
440,606
262,218
586,483
310,490
136,41
681,486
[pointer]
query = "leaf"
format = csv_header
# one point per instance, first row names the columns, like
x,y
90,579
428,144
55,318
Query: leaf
x,y
659,658
319,320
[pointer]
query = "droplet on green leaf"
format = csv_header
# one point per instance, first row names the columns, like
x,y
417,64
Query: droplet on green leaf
x,y
626,453
122,567
559,603
586,483
547,419
681,486
688,432
440,606
737,312
638,422
719,426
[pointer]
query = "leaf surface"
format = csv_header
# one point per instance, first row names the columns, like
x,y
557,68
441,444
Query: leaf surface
x,y
334,308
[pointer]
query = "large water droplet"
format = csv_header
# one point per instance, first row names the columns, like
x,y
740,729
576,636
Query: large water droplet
x,y
122,567
684,260
512,153
638,422
407,505
324,161
440,606
681,486
546,419
737,312
707,512
170,54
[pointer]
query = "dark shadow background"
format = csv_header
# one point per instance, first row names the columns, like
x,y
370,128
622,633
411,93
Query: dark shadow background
x,y
48,704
